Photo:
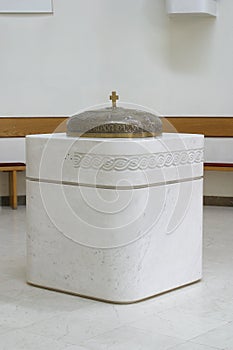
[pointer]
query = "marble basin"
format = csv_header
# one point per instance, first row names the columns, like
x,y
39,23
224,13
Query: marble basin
x,y
118,220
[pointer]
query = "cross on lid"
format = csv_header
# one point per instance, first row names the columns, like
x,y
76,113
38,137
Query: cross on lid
x,y
114,97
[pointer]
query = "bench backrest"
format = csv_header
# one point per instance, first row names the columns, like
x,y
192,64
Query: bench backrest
x,y
208,126
214,128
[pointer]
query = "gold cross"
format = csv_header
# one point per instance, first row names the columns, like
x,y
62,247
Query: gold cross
x,y
114,97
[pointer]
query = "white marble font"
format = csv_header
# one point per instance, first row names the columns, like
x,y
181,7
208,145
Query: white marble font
x,y
114,219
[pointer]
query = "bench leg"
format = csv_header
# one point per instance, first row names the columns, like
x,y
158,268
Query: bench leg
x,y
13,188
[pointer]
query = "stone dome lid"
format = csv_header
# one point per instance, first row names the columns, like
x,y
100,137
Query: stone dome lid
x,y
114,122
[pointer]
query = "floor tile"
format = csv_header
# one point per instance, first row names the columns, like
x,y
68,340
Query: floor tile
x,y
221,337
77,326
4,329
16,287
126,337
213,308
178,323
21,340
14,315
192,346
133,312
23,312
40,299
76,347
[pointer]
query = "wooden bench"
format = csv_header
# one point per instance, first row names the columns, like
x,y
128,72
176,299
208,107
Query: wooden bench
x,y
209,127
218,166
12,169
19,127
22,126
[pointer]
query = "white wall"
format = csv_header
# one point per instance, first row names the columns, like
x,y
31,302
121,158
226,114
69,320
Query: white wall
x,y
56,64
218,183
60,63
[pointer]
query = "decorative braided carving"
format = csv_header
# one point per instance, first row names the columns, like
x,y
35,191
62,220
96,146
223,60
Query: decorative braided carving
x,y
137,162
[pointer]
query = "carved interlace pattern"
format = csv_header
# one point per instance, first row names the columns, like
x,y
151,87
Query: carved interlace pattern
x,y
139,162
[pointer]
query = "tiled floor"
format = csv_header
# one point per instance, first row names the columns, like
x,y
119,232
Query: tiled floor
x,y
198,317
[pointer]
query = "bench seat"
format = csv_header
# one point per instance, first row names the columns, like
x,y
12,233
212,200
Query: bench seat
x,y
218,166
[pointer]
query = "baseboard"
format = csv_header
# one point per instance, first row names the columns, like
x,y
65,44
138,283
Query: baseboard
x,y
218,201
5,201
208,200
